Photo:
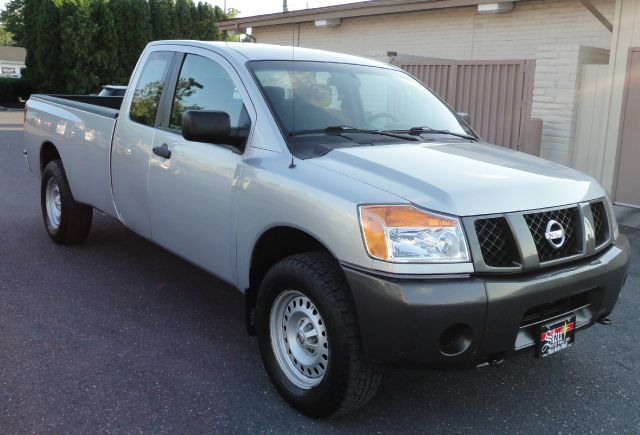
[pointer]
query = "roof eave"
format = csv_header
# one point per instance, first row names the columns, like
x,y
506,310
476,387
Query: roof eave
x,y
351,10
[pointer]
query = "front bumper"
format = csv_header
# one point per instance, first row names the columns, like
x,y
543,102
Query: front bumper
x,y
460,322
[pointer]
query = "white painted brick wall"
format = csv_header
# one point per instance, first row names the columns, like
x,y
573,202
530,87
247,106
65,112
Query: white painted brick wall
x,y
556,95
458,33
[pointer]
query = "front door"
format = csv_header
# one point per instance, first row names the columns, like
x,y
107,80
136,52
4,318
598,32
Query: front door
x,y
192,192
628,185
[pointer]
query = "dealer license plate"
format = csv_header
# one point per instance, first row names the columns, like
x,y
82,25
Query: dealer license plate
x,y
556,335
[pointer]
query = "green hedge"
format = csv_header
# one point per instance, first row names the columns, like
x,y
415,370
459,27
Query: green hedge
x,y
12,90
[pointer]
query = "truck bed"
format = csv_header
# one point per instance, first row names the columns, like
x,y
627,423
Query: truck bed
x,y
80,127
104,106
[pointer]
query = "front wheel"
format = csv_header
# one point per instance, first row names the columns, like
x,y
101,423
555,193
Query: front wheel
x,y
67,222
309,339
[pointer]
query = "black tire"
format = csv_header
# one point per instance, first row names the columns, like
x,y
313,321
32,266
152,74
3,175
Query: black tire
x,y
75,219
349,381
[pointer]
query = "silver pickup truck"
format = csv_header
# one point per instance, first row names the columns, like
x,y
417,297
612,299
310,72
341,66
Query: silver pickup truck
x,y
365,222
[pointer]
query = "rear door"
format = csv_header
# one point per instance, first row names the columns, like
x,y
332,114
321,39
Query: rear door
x,y
192,194
133,140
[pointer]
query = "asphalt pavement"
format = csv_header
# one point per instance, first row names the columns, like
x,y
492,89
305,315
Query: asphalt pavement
x,y
118,335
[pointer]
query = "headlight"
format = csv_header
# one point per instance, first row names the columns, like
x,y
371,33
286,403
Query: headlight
x,y
404,234
614,221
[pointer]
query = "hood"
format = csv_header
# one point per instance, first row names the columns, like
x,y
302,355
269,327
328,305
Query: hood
x,y
462,178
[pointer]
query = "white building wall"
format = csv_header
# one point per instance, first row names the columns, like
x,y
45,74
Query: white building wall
x,y
458,33
555,95
591,125
6,66
626,34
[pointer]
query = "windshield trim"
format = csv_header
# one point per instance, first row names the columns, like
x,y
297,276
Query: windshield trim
x,y
285,133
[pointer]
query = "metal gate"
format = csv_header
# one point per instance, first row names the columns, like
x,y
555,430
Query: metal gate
x,y
496,94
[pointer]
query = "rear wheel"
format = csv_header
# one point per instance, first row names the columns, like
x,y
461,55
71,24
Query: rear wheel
x,y
309,339
67,222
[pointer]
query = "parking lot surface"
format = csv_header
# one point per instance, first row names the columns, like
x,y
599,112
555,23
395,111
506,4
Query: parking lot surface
x,y
118,335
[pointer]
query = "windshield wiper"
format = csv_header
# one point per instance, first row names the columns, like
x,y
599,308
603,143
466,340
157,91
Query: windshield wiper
x,y
341,130
417,131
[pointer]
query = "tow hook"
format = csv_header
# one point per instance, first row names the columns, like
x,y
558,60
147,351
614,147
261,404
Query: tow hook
x,y
605,321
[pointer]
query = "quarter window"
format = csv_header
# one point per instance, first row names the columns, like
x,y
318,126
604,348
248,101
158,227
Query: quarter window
x,y
204,85
146,97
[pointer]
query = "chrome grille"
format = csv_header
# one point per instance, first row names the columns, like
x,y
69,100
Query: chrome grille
x,y
496,242
600,223
515,242
568,218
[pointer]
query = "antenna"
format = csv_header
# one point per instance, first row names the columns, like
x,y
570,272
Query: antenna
x,y
293,79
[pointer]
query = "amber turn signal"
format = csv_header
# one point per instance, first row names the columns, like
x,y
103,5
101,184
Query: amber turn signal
x,y
375,218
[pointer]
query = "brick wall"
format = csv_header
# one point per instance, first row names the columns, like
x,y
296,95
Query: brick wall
x,y
455,33
555,95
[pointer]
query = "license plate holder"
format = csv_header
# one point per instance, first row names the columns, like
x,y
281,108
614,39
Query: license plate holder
x,y
556,335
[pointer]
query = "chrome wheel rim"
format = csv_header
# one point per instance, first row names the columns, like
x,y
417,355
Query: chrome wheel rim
x,y
53,204
299,339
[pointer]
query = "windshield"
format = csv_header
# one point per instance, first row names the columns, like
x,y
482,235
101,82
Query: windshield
x,y
309,97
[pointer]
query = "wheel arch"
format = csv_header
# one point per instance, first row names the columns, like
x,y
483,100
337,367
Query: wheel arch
x,y
48,153
273,245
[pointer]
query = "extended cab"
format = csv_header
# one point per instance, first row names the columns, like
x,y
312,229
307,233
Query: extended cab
x,y
364,220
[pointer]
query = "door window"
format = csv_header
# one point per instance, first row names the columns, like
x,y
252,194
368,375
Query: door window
x,y
144,104
204,85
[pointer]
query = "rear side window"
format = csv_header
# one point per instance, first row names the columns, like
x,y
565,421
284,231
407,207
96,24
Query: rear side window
x,y
204,85
146,96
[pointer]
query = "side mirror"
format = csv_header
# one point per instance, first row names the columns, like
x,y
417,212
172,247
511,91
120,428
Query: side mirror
x,y
209,126
465,117
212,126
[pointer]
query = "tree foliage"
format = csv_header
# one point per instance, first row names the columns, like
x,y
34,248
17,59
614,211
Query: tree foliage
x,y
12,18
75,46
163,21
185,19
104,43
205,24
6,38
133,24
42,41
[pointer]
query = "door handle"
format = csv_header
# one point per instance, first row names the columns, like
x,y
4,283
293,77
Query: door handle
x,y
162,151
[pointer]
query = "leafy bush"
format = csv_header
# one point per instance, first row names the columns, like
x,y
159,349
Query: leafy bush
x,y
76,46
12,90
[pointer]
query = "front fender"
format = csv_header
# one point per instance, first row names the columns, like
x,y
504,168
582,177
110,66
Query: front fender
x,y
306,197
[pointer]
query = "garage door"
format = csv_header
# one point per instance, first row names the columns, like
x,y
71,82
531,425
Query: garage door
x,y
628,184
